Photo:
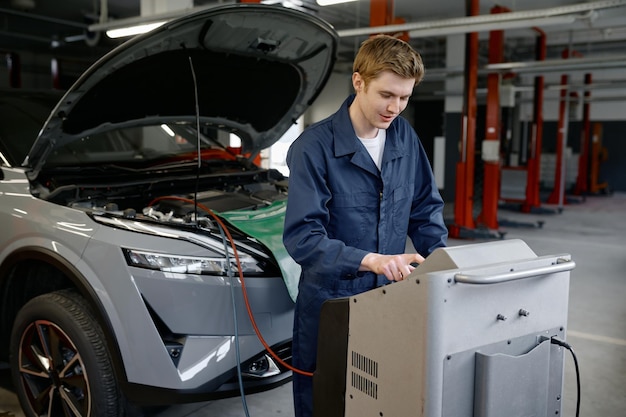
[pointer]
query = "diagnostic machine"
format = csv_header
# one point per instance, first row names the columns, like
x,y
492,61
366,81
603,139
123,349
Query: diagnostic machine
x,y
467,334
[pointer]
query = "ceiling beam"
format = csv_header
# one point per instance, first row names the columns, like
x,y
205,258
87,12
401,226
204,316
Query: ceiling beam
x,y
561,65
470,24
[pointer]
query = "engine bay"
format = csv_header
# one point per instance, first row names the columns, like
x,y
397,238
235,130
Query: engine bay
x,y
172,200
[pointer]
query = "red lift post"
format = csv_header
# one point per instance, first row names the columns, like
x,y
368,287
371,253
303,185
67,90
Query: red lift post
x,y
464,187
382,14
491,142
533,200
599,154
582,179
55,72
558,193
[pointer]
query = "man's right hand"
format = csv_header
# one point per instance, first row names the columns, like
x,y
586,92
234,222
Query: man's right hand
x,y
394,267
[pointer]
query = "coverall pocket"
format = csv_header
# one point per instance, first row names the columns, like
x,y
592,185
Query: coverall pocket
x,y
402,197
355,217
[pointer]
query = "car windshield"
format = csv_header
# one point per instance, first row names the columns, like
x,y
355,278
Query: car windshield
x,y
142,146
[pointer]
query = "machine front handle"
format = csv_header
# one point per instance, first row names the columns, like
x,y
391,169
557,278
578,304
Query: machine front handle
x,y
560,266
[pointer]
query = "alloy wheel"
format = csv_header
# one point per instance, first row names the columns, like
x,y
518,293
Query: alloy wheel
x,y
52,372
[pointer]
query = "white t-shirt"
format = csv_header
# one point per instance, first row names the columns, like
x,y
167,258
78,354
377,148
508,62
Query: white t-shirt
x,y
376,146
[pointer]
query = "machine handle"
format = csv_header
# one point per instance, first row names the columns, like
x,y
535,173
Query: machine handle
x,y
560,266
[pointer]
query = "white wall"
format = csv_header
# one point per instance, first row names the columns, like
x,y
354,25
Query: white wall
x,y
276,155
339,86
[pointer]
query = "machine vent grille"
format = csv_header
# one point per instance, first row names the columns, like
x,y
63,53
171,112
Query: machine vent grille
x,y
362,383
365,364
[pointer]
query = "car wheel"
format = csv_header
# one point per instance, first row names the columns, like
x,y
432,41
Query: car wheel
x,y
59,360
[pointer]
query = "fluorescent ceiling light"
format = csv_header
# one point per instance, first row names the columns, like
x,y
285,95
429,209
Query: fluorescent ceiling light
x,y
142,20
331,2
168,130
133,30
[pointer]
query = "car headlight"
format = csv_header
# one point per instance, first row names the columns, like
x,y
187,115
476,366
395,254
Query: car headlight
x,y
182,264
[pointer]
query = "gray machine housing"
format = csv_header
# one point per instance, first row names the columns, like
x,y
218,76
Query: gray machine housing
x,y
467,334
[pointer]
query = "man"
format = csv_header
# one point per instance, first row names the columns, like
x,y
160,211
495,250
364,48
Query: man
x,y
359,184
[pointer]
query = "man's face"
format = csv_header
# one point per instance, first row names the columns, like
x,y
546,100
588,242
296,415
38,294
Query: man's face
x,y
384,98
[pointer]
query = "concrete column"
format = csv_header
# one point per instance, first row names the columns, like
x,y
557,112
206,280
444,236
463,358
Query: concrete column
x,y
455,58
453,107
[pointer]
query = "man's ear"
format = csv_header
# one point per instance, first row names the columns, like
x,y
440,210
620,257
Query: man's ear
x,y
357,82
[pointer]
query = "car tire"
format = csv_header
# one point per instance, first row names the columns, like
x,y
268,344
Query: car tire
x,y
59,360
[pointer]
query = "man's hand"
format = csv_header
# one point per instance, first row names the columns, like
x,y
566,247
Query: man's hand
x,y
394,267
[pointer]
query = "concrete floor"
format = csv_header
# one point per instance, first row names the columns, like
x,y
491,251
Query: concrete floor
x,y
594,233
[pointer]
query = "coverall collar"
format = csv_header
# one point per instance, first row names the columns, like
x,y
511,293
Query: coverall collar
x,y
346,141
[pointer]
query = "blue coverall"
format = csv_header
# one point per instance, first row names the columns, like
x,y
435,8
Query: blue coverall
x,y
341,207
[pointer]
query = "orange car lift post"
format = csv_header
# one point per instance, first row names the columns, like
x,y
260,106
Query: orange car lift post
x,y
493,134
464,187
491,142
598,154
558,193
382,14
533,166
531,201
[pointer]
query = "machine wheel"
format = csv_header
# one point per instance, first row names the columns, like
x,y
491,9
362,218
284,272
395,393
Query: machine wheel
x,y
59,360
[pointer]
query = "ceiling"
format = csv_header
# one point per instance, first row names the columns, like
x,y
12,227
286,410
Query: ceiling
x,y
59,28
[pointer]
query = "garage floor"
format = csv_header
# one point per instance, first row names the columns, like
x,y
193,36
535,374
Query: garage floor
x,y
594,233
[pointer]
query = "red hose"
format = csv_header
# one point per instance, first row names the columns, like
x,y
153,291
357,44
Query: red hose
x,y
243,285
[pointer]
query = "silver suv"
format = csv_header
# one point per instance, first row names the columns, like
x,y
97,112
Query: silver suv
x,y
141,260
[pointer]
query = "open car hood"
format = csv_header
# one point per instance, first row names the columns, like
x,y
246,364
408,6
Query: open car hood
x,y
249,67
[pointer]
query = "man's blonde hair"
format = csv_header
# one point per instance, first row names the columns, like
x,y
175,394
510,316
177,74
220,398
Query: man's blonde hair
x,y
383,52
